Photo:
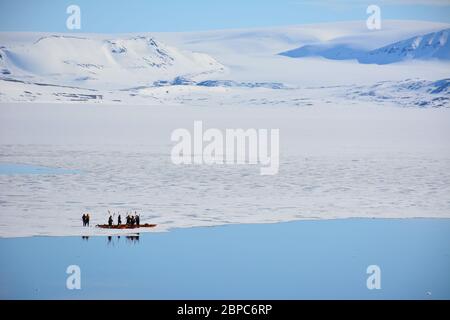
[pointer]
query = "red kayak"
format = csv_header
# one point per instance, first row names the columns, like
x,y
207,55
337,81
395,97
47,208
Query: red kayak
x,y
126,226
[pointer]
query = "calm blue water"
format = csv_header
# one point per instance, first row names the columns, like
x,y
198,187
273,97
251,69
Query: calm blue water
x,y
14,168
293,260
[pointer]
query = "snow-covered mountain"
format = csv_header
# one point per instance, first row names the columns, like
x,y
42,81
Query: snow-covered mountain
x,y
107,63
434,45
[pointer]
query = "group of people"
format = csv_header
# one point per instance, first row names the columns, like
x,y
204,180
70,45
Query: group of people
x,y
130,219
85,219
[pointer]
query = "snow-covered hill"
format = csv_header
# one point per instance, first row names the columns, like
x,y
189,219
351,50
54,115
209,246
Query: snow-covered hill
x,y
106,63
407,93
333,52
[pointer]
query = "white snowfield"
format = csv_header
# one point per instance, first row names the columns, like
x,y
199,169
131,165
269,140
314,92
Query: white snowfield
x,y
356,139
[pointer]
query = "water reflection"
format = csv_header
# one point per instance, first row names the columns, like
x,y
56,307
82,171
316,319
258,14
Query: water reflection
x,y
133,239
111,240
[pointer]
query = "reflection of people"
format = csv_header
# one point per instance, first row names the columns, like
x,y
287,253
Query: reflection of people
x,y
110,221
133,238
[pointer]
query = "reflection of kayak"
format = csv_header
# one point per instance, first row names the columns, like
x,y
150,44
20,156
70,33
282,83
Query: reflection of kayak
x,y
126,226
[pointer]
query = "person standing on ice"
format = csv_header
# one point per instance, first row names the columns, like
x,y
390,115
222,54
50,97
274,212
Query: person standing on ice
x,y
119,220
110,221
87,219
137,219
84,220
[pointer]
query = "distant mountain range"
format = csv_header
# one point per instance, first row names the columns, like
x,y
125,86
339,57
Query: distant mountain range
x,y
434,45
231,66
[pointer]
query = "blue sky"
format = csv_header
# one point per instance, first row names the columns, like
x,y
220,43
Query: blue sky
x,y
189,15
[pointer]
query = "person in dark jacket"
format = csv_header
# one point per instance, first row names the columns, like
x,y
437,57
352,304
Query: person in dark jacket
x,y
119,220
110,221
